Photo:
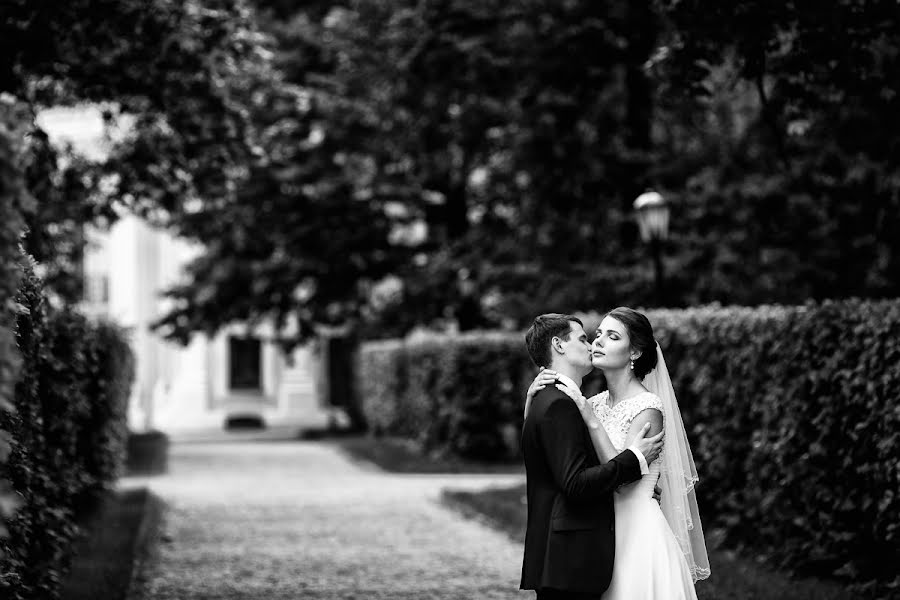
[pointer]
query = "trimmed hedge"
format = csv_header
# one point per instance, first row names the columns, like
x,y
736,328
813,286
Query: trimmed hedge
x,y
796,430
14,203
457,394
68,435
791,411
104,435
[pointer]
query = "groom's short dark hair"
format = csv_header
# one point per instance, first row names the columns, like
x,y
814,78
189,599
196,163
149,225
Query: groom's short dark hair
x,y
544,328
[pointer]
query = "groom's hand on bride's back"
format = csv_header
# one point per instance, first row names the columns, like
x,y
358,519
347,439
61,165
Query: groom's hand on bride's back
x,y
651,446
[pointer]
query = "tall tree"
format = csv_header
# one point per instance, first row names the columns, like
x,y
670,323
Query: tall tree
x,y
496,128
176,68
452,145
416,140
792,192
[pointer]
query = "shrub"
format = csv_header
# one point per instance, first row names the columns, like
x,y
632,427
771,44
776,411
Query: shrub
x,y
791,413
14,203
42,529
379,378
795,429
68,433
105,434
459,394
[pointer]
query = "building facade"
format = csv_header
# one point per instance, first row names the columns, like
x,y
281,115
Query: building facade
x,y
236,375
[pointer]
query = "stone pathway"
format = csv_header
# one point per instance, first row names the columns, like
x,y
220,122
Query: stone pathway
x,y
299,520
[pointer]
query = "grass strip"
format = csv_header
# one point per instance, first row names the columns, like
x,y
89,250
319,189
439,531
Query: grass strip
x,y
733,576
397,455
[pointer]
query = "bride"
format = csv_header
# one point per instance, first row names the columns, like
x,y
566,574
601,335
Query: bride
x,y
660,551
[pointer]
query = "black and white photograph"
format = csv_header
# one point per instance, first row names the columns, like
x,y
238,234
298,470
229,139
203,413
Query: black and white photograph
x,y
449,300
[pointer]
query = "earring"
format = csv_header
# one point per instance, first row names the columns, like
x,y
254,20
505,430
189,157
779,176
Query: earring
x,y
632,364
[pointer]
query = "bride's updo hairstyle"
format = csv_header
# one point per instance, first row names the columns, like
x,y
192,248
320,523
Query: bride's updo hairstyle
x,y
640,332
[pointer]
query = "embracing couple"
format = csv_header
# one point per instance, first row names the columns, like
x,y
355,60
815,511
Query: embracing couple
x,y
611,514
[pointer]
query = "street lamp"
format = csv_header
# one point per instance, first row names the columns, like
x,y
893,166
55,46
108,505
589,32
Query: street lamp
x,y
653,220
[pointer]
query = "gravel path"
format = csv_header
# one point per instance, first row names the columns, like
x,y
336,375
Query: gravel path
x,y
299,520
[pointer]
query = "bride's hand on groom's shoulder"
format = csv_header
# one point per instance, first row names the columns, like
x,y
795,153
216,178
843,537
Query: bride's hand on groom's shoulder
x,y
544,378
573,394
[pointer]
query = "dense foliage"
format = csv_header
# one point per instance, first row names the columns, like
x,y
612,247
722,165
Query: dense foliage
x,y
109,376
793,419
391,163
14,204
461,395
784,164
66,434
498,146
178,74
790,411
458,129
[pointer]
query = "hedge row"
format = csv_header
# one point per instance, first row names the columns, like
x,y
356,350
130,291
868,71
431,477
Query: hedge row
x,y
459,394
795,425
792,414
68,436
14,202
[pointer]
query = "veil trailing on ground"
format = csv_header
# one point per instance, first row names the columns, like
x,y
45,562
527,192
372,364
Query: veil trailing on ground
x,y
678,475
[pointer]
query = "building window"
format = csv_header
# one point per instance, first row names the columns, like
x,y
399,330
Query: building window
x,y
245,363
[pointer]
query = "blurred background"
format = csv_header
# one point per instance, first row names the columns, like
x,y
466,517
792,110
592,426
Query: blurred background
x,y
381,167
254,192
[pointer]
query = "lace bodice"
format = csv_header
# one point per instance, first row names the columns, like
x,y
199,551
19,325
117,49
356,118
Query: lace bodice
x,y
617,421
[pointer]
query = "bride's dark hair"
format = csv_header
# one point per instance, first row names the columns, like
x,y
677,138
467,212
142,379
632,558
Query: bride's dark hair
x,y
640,333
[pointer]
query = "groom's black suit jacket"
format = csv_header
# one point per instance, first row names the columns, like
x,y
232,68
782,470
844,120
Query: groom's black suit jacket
x,y
570,539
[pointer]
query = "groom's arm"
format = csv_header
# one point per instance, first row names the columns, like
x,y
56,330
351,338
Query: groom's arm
x,y
562,434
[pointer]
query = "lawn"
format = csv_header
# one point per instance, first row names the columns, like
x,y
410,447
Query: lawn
x,y
733,577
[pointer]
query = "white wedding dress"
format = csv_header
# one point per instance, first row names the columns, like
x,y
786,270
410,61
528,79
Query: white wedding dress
x,y
649,563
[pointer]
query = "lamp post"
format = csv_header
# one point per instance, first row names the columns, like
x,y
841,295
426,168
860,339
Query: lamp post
x,y
653,220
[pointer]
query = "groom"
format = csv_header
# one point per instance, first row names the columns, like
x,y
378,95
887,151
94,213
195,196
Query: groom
x,y
570,537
